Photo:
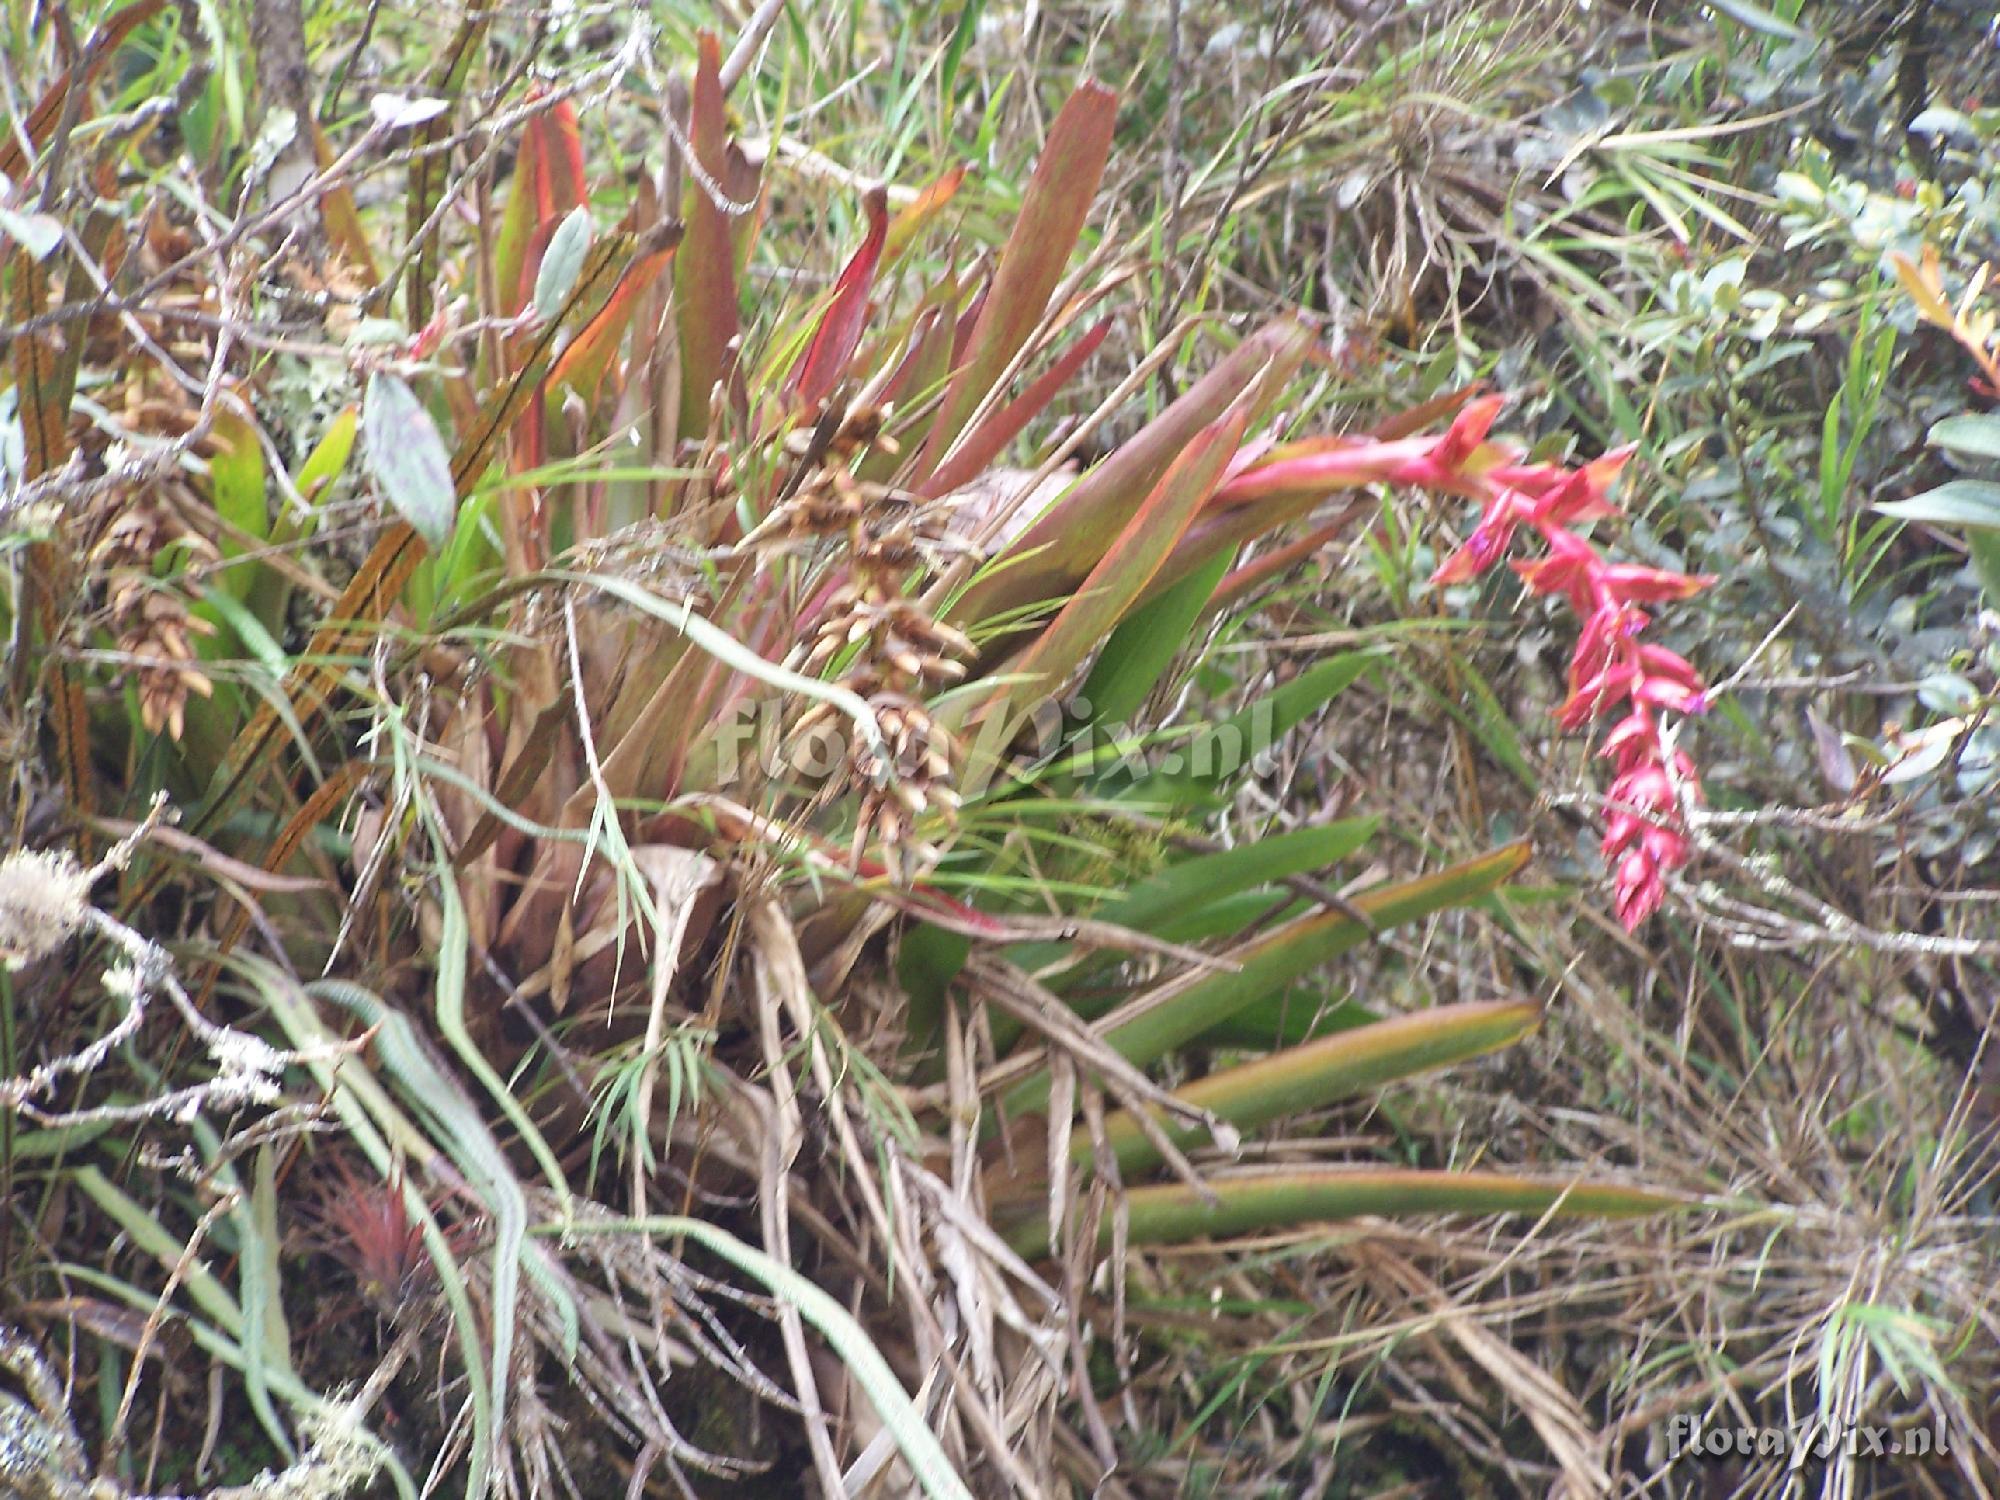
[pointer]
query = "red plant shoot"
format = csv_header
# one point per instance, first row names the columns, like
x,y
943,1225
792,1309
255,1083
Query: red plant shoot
x,y
370,1231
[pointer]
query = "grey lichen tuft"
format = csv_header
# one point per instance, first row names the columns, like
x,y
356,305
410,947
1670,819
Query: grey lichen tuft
x,y
43,897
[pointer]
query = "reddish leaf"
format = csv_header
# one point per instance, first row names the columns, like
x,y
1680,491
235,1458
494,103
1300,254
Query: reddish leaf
x,y
1277,563
1037,253
825,360
1054,555
705,272
985,442
548,184
588,356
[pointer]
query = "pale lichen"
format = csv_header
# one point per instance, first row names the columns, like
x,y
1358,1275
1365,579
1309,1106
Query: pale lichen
x,y
43,897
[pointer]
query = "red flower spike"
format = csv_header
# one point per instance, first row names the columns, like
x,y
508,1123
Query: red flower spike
x,y
1611,669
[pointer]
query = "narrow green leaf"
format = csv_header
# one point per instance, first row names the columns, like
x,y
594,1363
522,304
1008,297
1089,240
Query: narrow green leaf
x,y
1192,883
236,472
1222,750
1322,1072
1985,547
1145,643
1252,1202
329,455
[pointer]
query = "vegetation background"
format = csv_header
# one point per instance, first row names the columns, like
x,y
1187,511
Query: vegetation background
x,y
435,1058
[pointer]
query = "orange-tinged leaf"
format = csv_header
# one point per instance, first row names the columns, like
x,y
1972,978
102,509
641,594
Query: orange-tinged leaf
x,y
1925,286
1126,567
825,358
916,215
343,219
582,365
482,438
44,406
1424,415
1038,250
1053,555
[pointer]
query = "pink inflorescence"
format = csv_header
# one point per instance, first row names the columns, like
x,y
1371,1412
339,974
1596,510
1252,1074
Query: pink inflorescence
x,y
1612,670
1645,838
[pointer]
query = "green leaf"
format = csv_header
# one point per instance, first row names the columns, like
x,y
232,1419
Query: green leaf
x,y
237,472
1221,751
1322,1072
1191,884
927,961
1985,547
1252,1201
1961,502
1976,433
1145,644
329,455
1182,1009
562,262
407,458
1302,1013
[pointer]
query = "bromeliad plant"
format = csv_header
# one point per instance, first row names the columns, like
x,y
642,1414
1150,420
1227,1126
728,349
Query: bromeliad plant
x,y
873,1007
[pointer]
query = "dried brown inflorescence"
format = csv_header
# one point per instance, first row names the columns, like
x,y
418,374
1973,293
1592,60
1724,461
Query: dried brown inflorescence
x,y
147,616
896,650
